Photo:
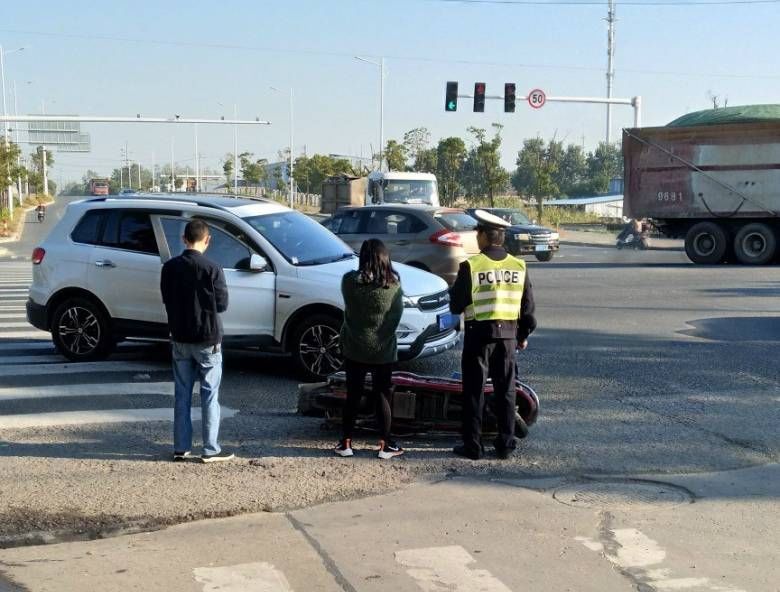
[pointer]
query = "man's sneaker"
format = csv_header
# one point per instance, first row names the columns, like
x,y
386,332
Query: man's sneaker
x,y
181,456
219,457
389,450
344,448
462,450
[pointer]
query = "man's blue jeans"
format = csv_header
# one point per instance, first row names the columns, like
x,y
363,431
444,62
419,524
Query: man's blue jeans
x,y
196,362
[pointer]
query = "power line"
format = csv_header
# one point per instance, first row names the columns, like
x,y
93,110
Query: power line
x,y
622,3
350,55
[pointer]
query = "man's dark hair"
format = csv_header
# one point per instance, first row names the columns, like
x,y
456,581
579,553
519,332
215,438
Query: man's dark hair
x,y
195,231
495,236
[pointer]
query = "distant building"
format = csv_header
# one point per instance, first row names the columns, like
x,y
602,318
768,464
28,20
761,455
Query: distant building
x,y
604,206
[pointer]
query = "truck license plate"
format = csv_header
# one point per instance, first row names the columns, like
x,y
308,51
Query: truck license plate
x,y
542,247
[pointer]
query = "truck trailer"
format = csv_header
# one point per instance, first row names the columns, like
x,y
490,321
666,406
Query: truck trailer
x,y
712,178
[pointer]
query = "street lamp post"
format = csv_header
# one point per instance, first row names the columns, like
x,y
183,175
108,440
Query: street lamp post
x,y
5,125
291,188
381,65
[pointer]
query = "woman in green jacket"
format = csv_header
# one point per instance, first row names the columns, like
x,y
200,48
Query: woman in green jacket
x,y
373,304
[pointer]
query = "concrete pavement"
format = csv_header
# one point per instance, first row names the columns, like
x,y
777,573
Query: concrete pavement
x,y
711,532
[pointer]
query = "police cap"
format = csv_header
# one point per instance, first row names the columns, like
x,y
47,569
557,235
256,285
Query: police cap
x,y
488,221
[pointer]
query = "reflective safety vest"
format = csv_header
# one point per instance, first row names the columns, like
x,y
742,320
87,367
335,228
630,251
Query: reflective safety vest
x,y
496,288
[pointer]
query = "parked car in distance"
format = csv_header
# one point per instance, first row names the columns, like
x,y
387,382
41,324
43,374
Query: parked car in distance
x,y
96,279
434,239
525,237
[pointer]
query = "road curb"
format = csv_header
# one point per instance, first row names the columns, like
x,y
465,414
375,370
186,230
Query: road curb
x,y
612,246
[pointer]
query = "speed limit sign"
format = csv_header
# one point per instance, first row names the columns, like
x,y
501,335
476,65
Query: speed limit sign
x,y
537,98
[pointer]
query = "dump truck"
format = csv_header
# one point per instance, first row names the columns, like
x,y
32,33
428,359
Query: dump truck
x,y
712,178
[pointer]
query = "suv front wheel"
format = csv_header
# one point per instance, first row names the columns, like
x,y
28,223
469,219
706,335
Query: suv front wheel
x,y
80,330
316,348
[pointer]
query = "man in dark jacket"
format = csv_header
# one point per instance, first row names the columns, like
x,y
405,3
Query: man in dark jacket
x,y
493,291
194,292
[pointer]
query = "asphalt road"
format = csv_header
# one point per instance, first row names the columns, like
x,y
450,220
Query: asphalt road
x,y
646,365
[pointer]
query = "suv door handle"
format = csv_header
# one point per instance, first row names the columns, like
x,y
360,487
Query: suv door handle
x,y
105,263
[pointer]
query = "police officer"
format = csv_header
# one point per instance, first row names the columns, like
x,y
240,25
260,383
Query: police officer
x,y
493,291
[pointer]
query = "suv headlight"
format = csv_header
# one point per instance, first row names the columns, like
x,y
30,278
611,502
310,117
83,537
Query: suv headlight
x,y
555,236
410,302
523,236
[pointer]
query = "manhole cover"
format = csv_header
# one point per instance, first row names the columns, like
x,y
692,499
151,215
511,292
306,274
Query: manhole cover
x,y
616,494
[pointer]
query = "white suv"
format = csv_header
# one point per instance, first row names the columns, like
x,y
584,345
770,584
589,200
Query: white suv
x,y
96,279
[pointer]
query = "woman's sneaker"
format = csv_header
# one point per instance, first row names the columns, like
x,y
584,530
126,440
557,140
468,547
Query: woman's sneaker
x,y
389,450
344,448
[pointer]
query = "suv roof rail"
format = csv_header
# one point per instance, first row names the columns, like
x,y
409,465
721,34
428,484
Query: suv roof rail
x,y
136,197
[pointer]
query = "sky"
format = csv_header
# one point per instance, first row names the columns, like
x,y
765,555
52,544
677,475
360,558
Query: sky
x,y
176,57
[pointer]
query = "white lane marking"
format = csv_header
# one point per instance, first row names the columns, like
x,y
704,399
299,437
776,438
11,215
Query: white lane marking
x,y
12,301
12,393
246,577
447,568
66,418
19,314
637,552
79,368
31,334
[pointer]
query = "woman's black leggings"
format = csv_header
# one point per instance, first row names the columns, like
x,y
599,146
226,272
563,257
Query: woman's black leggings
x,y
381,389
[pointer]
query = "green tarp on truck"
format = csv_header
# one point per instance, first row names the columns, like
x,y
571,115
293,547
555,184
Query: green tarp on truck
x,y
741,114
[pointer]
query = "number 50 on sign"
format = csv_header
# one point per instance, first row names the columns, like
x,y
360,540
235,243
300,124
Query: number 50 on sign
x,y
537,98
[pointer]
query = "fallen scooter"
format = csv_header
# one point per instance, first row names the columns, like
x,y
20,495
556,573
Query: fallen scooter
x,y
632,240
421,404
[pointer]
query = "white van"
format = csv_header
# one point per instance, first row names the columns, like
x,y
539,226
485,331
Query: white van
x,y
402,188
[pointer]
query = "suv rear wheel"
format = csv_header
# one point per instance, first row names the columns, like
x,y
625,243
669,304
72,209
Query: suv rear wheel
x,y
316,348
545,256
80,330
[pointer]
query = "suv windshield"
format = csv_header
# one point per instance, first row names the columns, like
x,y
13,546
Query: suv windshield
x,y
299,239
511,216
406,191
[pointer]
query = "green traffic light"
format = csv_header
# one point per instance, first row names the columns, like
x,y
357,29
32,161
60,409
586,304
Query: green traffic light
x,y
451,106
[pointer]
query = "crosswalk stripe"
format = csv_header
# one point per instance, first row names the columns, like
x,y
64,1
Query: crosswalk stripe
x,y
447,568
13,325
12,301
31,334
79,368
86,390
64,418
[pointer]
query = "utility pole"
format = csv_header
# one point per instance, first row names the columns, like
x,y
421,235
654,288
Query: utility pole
x,y
43,157
197,163
138,165
610,63
19,154
292,157
153,171
235,151
173,170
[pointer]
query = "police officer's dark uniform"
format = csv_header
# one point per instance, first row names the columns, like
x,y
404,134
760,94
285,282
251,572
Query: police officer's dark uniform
x,y
493,291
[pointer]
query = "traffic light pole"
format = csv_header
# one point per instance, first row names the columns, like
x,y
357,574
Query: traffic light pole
x,y
635,102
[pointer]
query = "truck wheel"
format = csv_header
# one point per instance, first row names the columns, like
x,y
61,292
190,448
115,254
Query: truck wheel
x,y
706,243
544,256
315,347
755,244
81,331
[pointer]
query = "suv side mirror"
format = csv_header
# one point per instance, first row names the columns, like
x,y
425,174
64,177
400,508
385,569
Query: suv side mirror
x,y
258,262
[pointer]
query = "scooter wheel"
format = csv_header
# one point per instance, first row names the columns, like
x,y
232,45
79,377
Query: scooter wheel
x,y
521,429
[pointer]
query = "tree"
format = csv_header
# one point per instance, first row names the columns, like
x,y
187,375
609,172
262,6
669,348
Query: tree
x,y
227,169
310,172
572,171
426,161
483,173
10,171
416,142
450,156
537,168
604,164
253,171
36,172
395,156
128,177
